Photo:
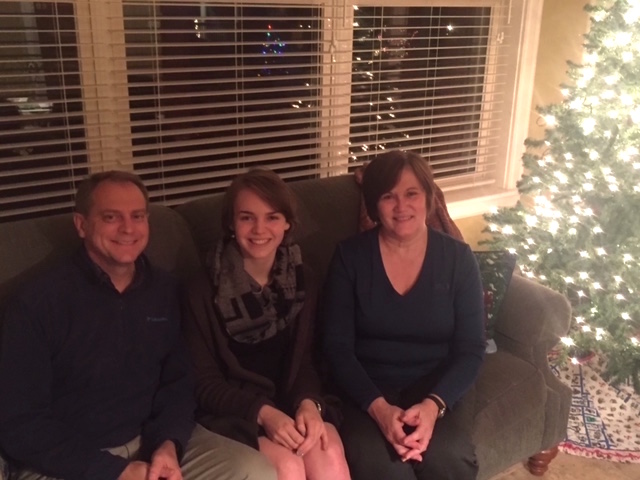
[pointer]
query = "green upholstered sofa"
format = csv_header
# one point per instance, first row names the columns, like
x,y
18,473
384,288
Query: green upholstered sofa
x,y
521,409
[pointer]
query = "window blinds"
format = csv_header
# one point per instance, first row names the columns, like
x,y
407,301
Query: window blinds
x,y
187,94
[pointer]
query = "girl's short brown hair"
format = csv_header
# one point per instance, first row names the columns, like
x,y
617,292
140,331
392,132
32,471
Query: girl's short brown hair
x,y
269,187
383,173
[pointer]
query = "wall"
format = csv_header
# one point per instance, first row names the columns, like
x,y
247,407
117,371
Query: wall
x,y
564,23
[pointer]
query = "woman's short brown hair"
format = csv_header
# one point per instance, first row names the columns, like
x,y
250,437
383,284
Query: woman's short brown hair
x,y
383,173
269,187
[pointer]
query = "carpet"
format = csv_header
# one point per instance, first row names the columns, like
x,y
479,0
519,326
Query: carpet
x,y
604,421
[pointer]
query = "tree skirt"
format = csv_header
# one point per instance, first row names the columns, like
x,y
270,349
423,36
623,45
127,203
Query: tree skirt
x,y
604,421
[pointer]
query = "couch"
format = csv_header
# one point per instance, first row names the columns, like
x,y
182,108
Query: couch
x,y
521,409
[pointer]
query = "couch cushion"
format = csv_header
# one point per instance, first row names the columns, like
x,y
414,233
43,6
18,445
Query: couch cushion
x,y
171,246
328,211
510,397
507,388
28,247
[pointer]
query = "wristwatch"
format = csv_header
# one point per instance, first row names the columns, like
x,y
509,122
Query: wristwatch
x,y
442,408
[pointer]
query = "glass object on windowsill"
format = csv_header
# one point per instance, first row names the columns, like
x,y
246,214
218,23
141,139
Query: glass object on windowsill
x,y
27,106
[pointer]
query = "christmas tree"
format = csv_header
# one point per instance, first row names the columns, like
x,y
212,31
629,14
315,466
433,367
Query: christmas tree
x,y
576,228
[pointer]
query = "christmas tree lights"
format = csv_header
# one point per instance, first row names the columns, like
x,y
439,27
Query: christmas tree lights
x,y
576,228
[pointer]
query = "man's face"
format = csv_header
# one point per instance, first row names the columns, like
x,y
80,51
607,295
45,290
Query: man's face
x,y
116,230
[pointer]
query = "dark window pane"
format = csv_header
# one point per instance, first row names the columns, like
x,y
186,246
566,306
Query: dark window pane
x,y
227,77
41,112
417,83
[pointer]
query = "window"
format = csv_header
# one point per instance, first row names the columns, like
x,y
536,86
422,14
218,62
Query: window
x,y
418,82
42,136
188,93
221,87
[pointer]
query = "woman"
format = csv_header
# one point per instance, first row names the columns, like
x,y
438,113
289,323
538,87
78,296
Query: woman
x,y
248,325
404,332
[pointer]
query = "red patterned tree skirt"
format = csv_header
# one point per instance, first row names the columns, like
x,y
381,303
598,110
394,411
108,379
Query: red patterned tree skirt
x,y
604,421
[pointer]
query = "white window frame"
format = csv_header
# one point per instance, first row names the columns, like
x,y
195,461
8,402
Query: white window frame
x,y
526,16
99,19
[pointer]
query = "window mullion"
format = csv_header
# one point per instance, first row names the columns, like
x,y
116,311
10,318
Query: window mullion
x,y
104,81
336,84
491,90
526,16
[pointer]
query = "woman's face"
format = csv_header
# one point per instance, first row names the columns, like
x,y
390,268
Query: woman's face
x,y
258,228
403,210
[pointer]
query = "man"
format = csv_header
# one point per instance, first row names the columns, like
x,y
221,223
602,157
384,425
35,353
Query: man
x,y
94,381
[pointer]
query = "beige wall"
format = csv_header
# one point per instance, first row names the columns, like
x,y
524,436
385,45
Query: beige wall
x,y
564,23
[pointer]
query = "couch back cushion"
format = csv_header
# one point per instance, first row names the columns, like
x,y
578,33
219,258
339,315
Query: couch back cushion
x,y
328,210
28,247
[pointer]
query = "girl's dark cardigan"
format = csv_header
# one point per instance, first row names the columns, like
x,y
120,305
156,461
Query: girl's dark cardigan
x,y
229,396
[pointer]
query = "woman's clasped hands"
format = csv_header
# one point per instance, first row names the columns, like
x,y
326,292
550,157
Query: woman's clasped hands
x,y
394,422
299,435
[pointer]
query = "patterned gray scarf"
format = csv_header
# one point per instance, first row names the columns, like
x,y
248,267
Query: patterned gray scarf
x,y
248,313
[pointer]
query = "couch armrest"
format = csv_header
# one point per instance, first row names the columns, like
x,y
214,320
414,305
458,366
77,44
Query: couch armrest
x,y
531,320
530,323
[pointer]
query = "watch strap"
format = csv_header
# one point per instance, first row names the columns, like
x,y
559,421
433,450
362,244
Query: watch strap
x,y
442,408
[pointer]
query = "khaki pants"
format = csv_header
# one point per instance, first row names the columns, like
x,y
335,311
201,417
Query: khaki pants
x,y
208,456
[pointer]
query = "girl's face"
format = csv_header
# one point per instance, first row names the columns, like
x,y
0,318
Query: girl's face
x,y
258,228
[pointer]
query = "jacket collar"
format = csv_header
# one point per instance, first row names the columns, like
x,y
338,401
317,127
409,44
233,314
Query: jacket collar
x,y
98,276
